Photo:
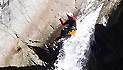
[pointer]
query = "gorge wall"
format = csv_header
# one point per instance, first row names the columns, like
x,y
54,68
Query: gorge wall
x,y
106,50
24,20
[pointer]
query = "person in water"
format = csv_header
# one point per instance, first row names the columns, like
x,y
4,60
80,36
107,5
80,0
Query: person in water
x,y
71,25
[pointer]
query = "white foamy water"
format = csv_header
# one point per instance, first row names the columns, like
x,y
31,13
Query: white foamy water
x,y
75,47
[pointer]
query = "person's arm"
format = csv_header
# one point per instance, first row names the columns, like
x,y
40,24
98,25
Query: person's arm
x,y
62,21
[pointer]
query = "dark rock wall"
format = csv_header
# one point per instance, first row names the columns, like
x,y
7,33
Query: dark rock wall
x,y
24,68
107,49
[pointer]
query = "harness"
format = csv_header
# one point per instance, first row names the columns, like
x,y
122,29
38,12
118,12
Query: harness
x,y
72,30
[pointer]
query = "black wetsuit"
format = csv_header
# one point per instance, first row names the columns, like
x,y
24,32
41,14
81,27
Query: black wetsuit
x,y
72,26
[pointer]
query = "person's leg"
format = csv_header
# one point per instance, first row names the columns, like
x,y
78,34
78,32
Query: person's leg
x,y
66,29
64,32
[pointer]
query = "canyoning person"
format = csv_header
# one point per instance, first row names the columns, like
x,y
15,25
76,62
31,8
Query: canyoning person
x,y
71,28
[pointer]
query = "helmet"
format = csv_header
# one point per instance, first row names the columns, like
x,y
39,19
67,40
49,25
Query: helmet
x,y
69,14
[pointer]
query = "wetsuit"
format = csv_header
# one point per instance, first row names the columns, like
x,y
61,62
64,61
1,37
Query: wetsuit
x,y
71,21
72,25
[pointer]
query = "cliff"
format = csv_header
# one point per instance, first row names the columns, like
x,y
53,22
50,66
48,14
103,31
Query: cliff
x,y
106,49
22,21
31,22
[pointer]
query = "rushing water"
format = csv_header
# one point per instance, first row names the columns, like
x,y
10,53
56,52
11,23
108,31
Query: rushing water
x,y
74,48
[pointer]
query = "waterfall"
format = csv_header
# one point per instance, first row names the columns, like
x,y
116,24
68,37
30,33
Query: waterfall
x,y
74,48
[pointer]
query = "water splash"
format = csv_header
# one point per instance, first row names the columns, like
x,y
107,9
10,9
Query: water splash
x,y
75,47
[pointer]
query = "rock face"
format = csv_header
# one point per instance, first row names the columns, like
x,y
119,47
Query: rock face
x,y
107,50
24,20
109,5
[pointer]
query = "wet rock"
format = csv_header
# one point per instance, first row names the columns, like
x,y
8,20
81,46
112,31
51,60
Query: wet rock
x,y
107,50
48,54
24,68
